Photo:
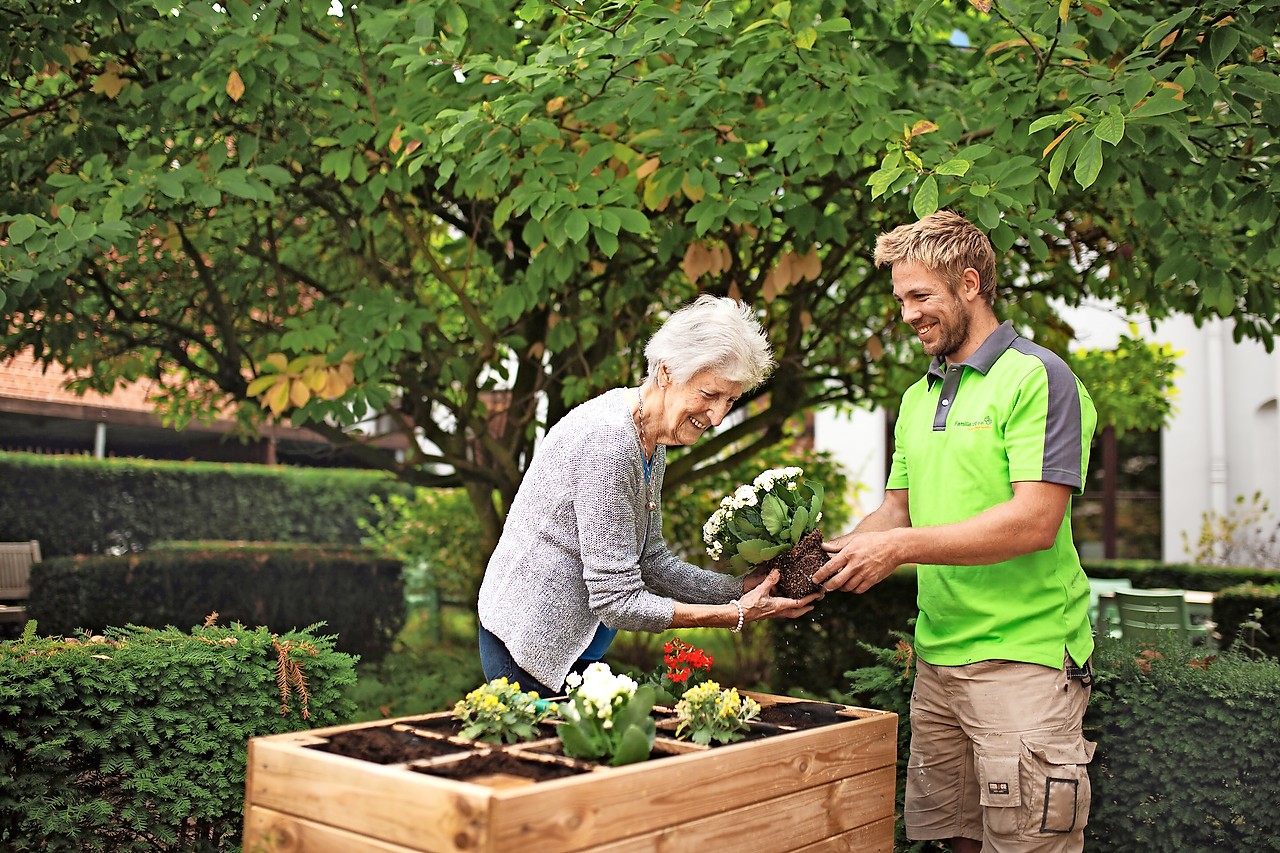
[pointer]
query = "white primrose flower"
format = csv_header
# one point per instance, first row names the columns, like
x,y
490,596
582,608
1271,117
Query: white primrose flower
x,y
599,688
745,496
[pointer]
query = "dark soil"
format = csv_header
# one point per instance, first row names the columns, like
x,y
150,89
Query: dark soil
x,y
500,762
799,565
453,728
802,715
386,746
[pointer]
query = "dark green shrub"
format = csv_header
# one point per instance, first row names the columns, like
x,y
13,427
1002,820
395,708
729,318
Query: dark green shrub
x,y
1186,751
137,740
77,505
1255,606
1153,574
358,595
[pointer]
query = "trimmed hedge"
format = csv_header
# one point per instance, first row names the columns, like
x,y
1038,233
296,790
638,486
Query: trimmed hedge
x,y
358,595
137,740
1153,574
79,505
1186,751
1186,745
1234,606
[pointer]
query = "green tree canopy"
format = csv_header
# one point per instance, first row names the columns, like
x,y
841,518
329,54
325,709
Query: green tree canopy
x,y
332,212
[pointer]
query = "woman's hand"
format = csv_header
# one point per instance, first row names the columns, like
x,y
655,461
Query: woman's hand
x,y
758,602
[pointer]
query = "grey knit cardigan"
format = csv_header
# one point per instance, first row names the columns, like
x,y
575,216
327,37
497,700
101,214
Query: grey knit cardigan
x,y
569,556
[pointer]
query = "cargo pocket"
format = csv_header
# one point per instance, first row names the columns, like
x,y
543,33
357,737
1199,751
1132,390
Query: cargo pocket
x,y
999,792
1058,784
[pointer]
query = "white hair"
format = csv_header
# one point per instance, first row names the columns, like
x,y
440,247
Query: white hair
x,y
712,333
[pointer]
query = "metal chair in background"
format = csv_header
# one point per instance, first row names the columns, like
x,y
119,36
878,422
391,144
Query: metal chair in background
x,y
1102,609
1153,614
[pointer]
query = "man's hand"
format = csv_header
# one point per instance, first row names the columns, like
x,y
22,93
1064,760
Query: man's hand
x,y
859,561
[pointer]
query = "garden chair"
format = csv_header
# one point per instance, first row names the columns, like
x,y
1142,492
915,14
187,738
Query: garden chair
x,y
1102,609
15,578
1153,614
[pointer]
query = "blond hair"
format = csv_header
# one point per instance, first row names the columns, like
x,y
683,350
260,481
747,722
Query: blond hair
x,y
946,244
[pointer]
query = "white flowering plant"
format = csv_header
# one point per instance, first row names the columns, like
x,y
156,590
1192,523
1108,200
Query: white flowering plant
x,y
606,717
499,711
707,712
764,518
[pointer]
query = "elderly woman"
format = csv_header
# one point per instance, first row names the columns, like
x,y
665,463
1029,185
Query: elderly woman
x,y
582,555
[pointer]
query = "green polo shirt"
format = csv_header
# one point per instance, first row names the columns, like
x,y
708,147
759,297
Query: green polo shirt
x,y
965,433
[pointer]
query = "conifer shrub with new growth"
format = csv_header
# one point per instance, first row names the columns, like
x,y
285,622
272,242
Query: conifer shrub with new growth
x,y
136,739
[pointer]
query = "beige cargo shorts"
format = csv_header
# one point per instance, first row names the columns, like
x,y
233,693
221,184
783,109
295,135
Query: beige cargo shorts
x,y
998,754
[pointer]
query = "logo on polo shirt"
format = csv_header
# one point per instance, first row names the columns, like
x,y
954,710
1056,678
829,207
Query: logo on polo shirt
x,y
985,423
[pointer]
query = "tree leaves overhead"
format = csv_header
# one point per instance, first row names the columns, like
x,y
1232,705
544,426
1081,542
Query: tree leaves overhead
x,y
445,199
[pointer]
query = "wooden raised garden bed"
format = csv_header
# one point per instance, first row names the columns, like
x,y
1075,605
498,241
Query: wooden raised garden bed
x,y
815,777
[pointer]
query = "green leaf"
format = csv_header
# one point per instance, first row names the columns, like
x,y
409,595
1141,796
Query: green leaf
x,y
926,199
636,712
798,525
1057,163
956,167
1048,121
1158,105
1222,43
634,746
1111,128
22,228
170,183
576,226
631,219
773,514
1089,164
819,492
756,551
576,743
455,19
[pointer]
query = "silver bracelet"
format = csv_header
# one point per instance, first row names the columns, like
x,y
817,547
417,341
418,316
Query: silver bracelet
x,y
737,629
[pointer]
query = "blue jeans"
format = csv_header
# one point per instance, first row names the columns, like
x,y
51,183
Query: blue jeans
x,y
497,662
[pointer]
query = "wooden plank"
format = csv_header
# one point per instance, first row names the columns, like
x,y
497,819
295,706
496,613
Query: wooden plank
x,y
268,831
644,797
874,837
859,807
385,803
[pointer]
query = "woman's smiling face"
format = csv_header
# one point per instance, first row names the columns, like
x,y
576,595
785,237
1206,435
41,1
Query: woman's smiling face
x,y
690,409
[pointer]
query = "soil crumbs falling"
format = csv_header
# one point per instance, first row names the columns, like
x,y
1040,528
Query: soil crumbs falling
x,y
386,746
797,566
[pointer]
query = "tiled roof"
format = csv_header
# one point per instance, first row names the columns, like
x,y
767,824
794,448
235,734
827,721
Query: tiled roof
x,y
24,378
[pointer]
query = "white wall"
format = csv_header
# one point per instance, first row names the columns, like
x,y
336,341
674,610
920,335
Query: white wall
x,y
1223,441
856,440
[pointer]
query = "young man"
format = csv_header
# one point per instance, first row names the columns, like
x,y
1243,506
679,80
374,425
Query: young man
x,y
990,446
